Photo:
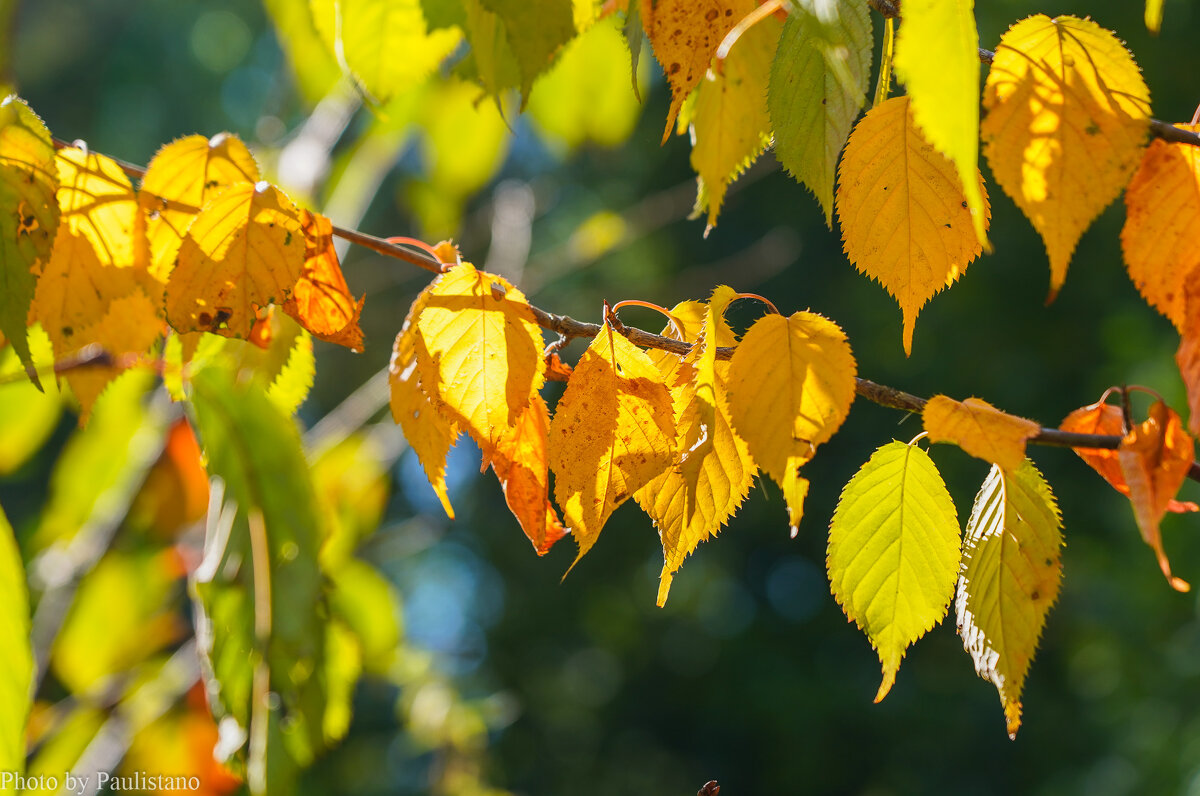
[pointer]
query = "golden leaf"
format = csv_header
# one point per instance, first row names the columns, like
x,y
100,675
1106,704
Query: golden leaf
x,y
321,300
784,406
613,432
98,202
519,462
980,429
905,220
1067,113
244,251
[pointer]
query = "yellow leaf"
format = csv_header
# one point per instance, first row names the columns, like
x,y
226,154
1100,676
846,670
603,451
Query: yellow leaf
x,y
613,432
429,434
1154,13
690,503
129,328
791,383
244,251
980,429
480,356
937,59
1162,248
1010,576
520,464
98,202
1067,113
182,177
388,44
904,218
731,125
685,35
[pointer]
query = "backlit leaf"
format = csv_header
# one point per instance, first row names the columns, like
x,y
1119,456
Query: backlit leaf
x,y
519,461
685,35
98,202
244,251
321,300
818,86
730,124
791,383
1154,13
535,32
428,432
27,416
16,657
893,551
480,355
1067,114
1155,458
1010,576
388,45
944,88
613,431
181,179
1162,248
980,429
1188,355
904,217
491,62
292,384
29,221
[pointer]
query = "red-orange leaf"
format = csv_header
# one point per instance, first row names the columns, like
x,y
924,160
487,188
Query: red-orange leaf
x,y
321,299
1188,355
1155,458
519,461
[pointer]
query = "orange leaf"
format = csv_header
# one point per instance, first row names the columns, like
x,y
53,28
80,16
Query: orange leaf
x,y
685,35
244,251
1102,418
321,300
980,429
519,461
1188,355
1162,248
1155,458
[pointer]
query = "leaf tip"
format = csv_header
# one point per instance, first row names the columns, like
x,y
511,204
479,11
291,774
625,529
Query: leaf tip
x,y
889,679
664,586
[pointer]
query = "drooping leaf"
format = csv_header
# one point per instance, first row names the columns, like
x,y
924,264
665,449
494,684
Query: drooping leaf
x,y
818,86
29,217
1011,572
1188,355
519,461
321,300
1067,113
944,89
980,429
784,407
613,431
690,503
1154,13
244,251
1155,457
685,35
904,217
1106,419
535,32
388,45
479,352
1162,248
893,551
181,178
428,432
16,655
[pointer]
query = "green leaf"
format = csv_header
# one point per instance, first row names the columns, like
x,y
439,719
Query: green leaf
x,y
893,551
27,416
388,46
535,32
259,571
819,82
312,62
1011,573
28,216
367,603
16,656
491,63
937,59
295,379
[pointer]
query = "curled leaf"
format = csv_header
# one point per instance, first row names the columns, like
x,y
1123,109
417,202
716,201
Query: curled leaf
x,y
980,429
321,300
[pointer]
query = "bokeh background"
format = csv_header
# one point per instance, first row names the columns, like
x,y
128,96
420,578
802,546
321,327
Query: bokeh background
x,y
750,675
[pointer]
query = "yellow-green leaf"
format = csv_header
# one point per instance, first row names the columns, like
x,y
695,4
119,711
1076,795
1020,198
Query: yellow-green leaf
x,y
904,217
388,46
479,352
1011,572
791,383
27,416
1154,14
1067,114
535,32
612,433
29,221
244,251
730,124
893,551
818,86
937,59
16,657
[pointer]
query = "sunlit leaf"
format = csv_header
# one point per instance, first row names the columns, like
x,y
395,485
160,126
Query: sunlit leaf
x,y
893,551
519,461
1011,572
980,429
27,416
535,31
321,300
388,45
16,656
